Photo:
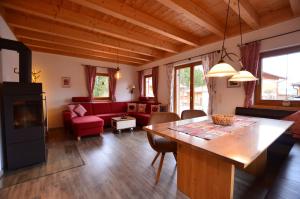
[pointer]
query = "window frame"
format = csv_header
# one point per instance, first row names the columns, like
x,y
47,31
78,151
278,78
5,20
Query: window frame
x,y
257,94
145,77
176,68
103,98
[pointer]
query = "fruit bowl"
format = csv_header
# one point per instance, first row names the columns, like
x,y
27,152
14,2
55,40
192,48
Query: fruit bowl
x,y
223,119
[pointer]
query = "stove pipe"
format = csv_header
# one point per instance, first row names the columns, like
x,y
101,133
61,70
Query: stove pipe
x,y
25,58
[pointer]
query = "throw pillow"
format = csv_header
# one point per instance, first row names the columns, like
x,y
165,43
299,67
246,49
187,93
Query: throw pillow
x,y
71,108
295,129
141,108
131,107
155,108
80,110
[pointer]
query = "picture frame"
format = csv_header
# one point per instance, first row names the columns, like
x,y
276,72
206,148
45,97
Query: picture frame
x,y
231,84
66,82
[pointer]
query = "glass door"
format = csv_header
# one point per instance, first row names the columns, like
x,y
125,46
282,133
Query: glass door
x,y
200,89
190,88
183,89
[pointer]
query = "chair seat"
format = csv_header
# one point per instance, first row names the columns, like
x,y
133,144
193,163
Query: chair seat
x,y
164,145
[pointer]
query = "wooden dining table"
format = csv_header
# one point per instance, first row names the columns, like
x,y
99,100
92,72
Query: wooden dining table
x,y
206,168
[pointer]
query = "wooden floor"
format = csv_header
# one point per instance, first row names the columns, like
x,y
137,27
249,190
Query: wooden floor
x,y
116,166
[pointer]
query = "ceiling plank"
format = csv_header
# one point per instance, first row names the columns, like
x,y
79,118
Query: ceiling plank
x,y
248,14
24,21
72,54
99,54
111,58
81,20
20,33
127,13
295,6
193,12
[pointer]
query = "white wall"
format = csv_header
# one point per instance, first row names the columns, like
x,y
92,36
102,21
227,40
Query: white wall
x,y
54,67
228,98
8,60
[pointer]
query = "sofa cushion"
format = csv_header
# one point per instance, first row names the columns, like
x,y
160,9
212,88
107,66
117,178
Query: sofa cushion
x,y
131,107
71,108
141,108
102,108
88,107
80,110
155,108
118,107
148,107
86,122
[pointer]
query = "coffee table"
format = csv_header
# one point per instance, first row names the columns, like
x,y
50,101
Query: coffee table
x,y
119,123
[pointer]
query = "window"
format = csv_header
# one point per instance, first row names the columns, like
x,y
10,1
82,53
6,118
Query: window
x,y
101,89
148,90
190,88
279,77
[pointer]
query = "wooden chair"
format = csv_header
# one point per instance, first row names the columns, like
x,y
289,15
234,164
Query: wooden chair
x,y
159,144
188,114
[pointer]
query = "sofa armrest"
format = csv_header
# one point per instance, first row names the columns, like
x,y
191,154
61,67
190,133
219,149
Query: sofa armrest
x,y
67,118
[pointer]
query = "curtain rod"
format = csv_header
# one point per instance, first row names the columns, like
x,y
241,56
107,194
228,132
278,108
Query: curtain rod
x,y
279,35
188,59
97,66
218,51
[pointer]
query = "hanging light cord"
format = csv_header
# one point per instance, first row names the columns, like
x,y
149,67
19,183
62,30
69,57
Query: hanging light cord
x,y
224,37
240,22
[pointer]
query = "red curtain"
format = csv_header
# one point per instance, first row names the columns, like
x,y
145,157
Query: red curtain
x,y
250,61
141,82
112,83
155,81
90,77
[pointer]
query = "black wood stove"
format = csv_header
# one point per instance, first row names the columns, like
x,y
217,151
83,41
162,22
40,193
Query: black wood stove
x,y
23,126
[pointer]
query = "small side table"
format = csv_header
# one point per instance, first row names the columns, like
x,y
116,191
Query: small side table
x,y
119,123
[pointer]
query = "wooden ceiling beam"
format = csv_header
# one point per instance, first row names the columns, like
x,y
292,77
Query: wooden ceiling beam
x,y
195,13
16,19
248,14
57,13
295,6
72,54
111,58
136,17
20,33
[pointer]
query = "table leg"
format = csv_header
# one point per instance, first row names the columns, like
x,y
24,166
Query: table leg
x,y
201,175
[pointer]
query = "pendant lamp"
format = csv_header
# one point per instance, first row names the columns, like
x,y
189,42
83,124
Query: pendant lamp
x,y
243,75
223,69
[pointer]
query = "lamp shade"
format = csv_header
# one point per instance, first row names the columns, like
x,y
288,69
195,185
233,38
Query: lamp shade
x,y
118,74
221,69
243,76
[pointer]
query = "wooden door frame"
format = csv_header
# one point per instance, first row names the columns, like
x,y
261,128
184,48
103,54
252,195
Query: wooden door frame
x,y
192,69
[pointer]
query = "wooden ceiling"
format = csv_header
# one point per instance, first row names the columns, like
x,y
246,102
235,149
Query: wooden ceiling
x,y
134,32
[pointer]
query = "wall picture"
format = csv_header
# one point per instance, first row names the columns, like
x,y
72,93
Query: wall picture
x,y
233,84
66,82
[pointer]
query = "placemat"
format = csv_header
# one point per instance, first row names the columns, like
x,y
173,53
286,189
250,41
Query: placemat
x,y
208,130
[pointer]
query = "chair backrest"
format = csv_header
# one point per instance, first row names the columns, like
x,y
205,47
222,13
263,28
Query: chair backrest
x,y
188,114
160,117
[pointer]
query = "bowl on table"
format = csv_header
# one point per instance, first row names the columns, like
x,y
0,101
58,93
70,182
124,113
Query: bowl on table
x,y
223,119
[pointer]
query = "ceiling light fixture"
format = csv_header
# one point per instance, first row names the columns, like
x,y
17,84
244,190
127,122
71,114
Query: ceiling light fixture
x,y
243,75
223,69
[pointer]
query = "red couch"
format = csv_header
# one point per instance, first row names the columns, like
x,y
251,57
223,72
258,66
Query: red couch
x,y
99,115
